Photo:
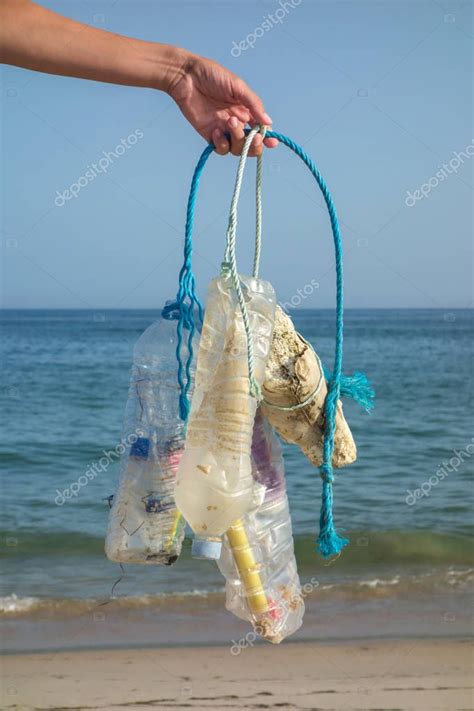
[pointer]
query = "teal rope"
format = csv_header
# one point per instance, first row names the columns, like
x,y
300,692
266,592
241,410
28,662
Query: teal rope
x,y
329,543
186,298
357,387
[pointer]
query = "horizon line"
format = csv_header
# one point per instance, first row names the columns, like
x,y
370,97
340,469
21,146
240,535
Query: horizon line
x,y
313,308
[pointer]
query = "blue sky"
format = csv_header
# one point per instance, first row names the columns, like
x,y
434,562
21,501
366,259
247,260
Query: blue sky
x,y
380,95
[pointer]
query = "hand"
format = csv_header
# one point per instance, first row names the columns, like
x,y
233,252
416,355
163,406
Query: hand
x,y
215,101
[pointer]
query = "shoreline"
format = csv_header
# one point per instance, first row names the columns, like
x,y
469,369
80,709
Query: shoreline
x,y
370,674
379,611
327,641
204,622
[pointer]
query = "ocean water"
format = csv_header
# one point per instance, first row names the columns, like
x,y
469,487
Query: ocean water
x,y
64,381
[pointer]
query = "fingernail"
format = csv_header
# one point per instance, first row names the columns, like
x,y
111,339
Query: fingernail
x,y
267,118
233,122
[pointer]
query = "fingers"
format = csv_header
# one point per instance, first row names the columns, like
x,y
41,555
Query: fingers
x,y
237,135
220,142
251,101
256,147
235,129
270,142
241,112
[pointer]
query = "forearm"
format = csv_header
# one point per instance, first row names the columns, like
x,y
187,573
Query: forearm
x,y
35,38
213,99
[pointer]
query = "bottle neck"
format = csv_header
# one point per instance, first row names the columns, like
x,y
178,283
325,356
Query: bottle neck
x,y
207,547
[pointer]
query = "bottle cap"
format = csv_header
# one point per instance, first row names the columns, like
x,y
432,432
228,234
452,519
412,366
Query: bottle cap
x,y
206,548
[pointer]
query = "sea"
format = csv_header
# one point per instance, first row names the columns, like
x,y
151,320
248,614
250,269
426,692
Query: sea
x,y
406,504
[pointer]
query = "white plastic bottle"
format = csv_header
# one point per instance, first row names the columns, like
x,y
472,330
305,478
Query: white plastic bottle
x,y
215,484
144,523
258,560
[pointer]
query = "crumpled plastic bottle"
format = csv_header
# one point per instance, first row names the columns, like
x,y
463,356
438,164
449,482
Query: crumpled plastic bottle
x,y
144,523
257,559
215,486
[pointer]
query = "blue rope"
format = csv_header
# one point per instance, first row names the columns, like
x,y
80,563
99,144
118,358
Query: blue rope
x,y
186,297
357,387
329,543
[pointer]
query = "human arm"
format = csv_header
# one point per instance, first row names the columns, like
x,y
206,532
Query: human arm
x,y
212,98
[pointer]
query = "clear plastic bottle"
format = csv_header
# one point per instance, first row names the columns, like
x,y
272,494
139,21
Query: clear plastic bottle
x,y
215,484
257,559
144,523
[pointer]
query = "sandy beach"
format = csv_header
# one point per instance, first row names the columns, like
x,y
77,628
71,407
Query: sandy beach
x,y
389,674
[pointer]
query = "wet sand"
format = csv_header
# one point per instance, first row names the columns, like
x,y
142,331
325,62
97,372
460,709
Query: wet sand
x,y
375,674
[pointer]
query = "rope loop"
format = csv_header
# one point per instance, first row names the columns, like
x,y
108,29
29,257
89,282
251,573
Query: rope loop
x,y
329,542
309,399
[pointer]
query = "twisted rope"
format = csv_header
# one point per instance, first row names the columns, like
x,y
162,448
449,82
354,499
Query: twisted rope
x,y
186,298
258,220
230,264
329,542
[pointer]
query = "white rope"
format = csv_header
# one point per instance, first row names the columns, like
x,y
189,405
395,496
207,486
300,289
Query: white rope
x,y
258,217
230,263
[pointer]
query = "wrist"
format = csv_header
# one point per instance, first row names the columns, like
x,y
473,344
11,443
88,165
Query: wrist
x,y
171,65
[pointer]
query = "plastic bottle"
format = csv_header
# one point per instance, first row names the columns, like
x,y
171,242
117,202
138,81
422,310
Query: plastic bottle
x,y
257,559
215,485
144,523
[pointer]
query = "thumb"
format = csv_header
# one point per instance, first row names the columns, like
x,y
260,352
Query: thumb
x,y
248,98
